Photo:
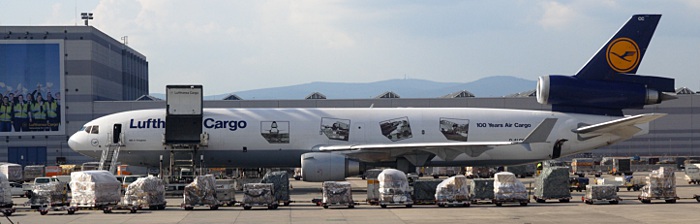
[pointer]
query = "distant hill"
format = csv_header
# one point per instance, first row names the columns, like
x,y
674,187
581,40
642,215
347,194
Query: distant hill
x,y
496,86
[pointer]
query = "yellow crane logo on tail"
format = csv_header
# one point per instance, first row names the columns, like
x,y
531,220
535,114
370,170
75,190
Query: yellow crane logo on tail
x,y
623,55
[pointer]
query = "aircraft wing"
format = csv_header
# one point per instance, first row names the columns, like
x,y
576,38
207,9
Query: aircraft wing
x,y
420,151
623,127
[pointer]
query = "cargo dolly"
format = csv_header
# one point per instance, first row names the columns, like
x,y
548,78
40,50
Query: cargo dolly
x,y
7,209
544,199
500,202
455,203
647,200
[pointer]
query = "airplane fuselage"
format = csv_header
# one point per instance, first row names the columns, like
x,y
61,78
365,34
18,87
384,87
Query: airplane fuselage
x,y
278,137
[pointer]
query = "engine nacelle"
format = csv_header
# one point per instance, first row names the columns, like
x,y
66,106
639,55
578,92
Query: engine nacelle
x,y
577,92
325,166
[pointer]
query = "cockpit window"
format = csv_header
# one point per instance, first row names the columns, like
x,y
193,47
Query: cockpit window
x,y
87,129
95,129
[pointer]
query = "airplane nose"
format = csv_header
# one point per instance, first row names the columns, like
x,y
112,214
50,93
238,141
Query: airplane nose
x,y
73,141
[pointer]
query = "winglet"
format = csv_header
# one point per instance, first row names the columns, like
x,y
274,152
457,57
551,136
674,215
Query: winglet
x,y
542,131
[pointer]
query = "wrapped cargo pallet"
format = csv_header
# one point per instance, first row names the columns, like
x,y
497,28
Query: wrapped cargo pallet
x,y
424,191
481,189
337,193
146,192
280,182
508,188
553,183
52,193
393,188
258,194
452,190
660,184
601,193
94,188
202,191
5,192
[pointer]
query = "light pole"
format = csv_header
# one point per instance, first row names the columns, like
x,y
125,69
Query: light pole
x,y
86,16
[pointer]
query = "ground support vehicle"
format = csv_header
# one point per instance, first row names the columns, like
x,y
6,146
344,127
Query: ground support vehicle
x,y
633,184
696,197
692,173
578,184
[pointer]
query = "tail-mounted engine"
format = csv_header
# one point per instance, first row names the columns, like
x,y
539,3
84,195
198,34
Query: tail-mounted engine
x,y
573,94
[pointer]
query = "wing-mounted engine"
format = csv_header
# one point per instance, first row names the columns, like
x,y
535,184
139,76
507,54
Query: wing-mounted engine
x,y
327,166
578,95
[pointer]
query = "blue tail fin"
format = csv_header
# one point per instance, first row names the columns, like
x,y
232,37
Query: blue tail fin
x,y
608,82
624,51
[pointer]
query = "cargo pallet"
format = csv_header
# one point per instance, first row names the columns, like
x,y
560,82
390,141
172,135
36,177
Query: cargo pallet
x,y
248,206
522,202
544,199
647,200
192,206
44,209
442,204
590,201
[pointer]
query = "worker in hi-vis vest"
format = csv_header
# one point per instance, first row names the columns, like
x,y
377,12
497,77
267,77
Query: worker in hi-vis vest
x,y
20,118
38,109
5,115
52,112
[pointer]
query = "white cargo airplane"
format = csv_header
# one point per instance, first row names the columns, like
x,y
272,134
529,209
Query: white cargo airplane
x,y
331,144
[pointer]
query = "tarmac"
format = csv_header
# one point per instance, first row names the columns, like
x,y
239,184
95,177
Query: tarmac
x,y
302,210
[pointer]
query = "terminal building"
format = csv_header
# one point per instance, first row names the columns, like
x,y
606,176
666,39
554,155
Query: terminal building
x,y
90,74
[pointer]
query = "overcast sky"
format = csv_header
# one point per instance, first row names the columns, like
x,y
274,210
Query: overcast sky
x,y
232,46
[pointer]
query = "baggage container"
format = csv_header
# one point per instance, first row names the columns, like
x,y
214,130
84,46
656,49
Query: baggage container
x,y
508,189
52,196
481,189
201,192
5,196
12,171
280,183
552,184
394,189
226,191
424,191
146,192
453,191
259,195
372,186
95,189
337,194
604,193
660,185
